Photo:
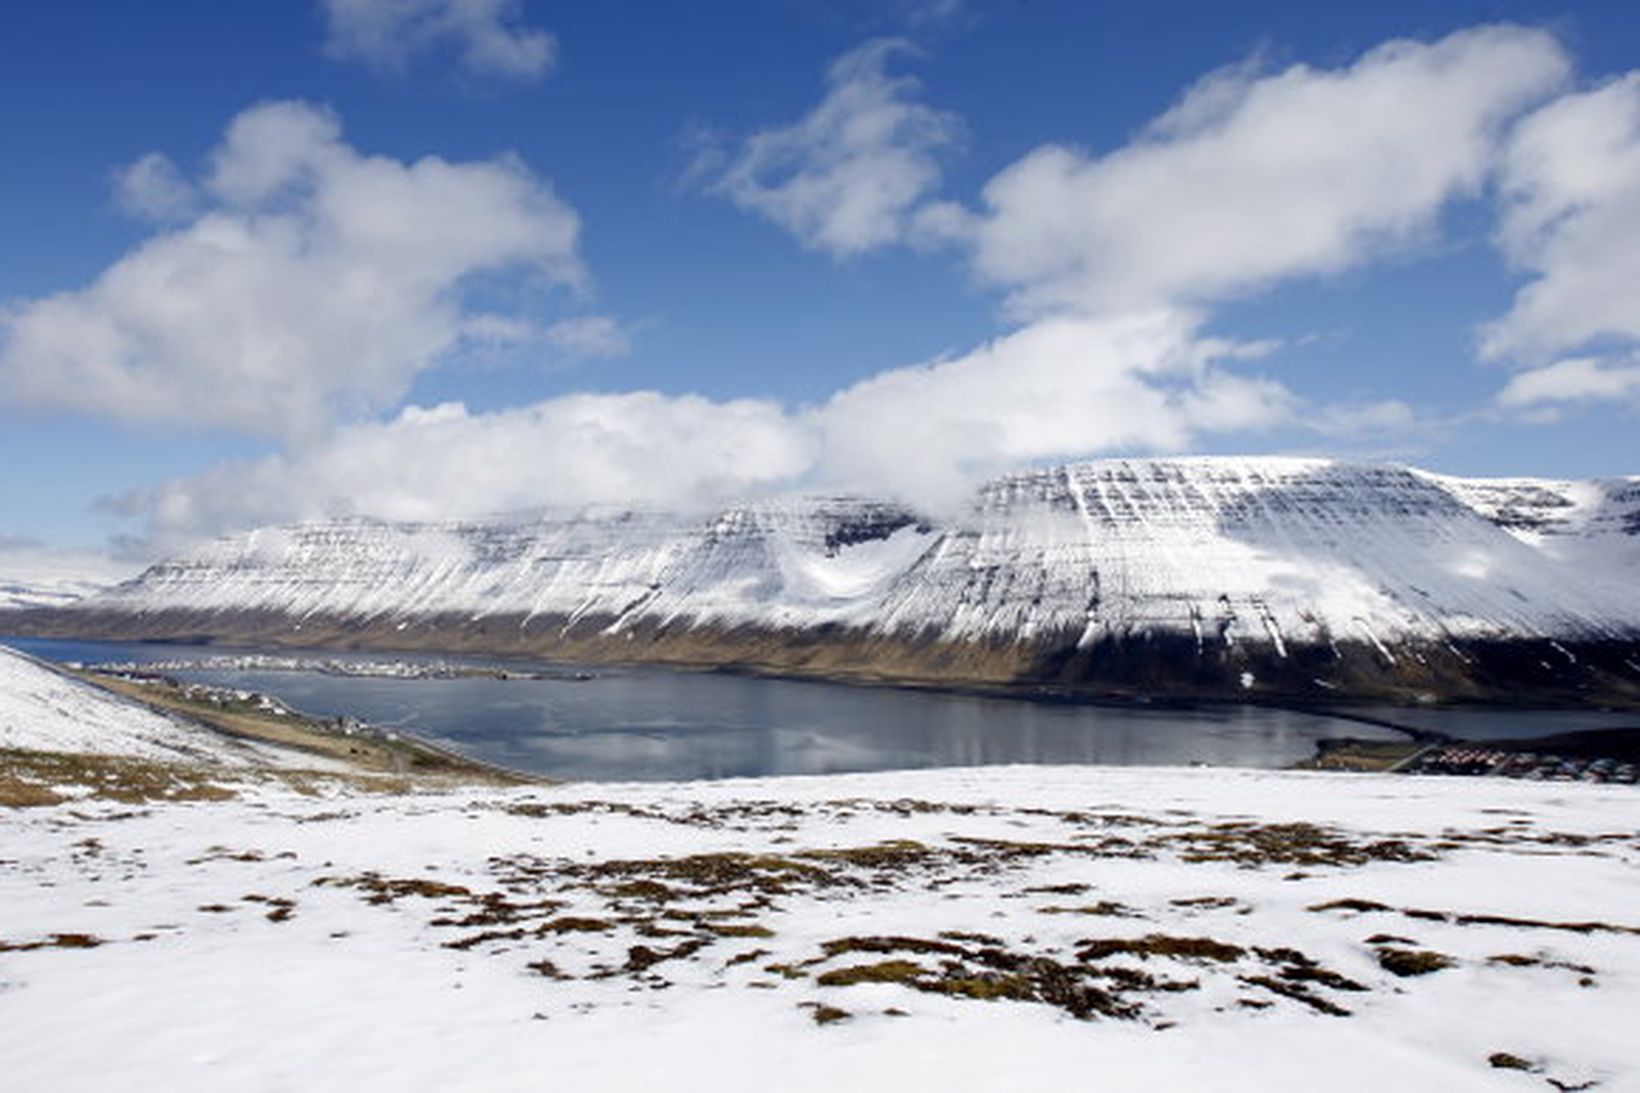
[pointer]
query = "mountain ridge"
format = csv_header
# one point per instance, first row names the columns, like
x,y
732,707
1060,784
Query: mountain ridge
x,y
1214,576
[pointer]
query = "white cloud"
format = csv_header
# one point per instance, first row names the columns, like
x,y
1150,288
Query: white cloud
x,y
1110,261
446,463
318,280
929,13
1247,180
491,330
487,35
590,336
491,338
1571,188
1251,179
152,188
845,177
1353,420
1057,388
1580,379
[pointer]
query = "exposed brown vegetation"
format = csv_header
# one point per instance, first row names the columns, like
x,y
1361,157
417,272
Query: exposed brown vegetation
x,y
1458,918
36,778
1184,948
1410,962
55,941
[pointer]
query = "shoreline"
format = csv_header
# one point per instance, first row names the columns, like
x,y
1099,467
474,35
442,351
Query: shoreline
x,y
480,664
369,750
381,750
1141,666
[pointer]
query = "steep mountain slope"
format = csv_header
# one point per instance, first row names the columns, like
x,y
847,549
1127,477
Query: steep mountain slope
x,y
1204,574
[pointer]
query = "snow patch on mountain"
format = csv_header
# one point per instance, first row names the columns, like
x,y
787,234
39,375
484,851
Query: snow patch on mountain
x,y
1594,525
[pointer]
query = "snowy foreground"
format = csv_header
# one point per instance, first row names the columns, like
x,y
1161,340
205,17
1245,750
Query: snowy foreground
x,y
1000,928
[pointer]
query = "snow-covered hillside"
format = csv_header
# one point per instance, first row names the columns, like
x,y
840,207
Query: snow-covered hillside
x,y
992,929
1260,557
43,710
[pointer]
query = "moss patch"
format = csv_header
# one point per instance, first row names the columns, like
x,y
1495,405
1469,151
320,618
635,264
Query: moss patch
x,y
1105,908
572,924
716,874
886,971
1410,962
55,941
1298,993
726,929
1182,948
32,778
981,972
1458,918
894,854
381,890
1252,845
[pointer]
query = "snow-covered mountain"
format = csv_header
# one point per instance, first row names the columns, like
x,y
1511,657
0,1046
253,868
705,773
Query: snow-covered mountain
x,y
24,592
1206,574
35,576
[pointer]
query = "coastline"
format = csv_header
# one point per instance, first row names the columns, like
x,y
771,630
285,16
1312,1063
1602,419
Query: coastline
x,y
1343,752
368,750
1158,670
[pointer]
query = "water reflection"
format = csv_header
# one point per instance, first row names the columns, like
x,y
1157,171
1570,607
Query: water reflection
x,y
646,724
673,725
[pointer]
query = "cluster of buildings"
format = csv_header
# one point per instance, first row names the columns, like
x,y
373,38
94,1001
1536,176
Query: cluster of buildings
x,y
1462,759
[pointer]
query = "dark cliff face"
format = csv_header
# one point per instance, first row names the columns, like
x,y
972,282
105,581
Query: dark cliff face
x,y
1153,665
1221,577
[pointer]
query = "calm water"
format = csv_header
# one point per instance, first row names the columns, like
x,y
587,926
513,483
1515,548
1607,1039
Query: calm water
x,y
638,723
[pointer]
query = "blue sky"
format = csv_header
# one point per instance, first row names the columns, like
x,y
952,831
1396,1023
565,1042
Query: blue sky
x,y
663,257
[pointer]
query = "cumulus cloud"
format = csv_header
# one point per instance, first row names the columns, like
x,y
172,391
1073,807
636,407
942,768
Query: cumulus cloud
x,y
1250,179
487,36
152,188
1056,388
924,434
444,462
845,178
1111,263
1111,260
1571,190
1579,379
317,280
